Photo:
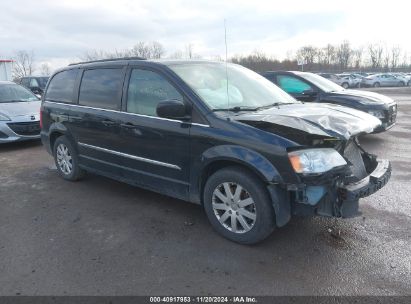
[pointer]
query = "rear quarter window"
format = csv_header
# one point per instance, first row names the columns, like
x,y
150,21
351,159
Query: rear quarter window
x,y
101,88
61,86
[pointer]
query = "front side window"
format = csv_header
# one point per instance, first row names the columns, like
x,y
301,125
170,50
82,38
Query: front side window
x,y
322,83
292,85
61,86
146,90
101,88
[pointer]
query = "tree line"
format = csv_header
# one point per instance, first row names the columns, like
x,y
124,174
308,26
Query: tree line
x,y
374,57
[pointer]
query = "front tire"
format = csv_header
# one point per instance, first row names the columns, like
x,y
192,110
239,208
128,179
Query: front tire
x,y
376,85
238,206
345,85
66,159
401,84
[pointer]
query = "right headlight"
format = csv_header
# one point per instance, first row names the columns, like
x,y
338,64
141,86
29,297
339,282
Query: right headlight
x,y
3,117
377,113
315,160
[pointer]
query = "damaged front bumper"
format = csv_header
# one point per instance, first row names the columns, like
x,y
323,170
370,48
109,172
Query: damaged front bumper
x,y
368,185
331,195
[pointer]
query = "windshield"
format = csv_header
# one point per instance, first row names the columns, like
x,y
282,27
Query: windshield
x,y
245,89
324,84
15,93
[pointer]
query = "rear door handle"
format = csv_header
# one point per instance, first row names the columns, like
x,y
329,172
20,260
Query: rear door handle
x,y
128,125
108,122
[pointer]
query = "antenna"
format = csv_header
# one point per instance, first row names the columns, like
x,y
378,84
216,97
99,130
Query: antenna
x,y
226,69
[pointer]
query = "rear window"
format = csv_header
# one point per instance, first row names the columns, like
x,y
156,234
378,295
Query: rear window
x,y
101,88
61,86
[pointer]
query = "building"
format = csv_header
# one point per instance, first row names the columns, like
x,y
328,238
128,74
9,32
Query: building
x,y
5,70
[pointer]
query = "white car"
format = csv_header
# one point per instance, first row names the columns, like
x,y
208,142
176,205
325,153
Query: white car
x,y
19,113
406,78
382,80
353,80
344,81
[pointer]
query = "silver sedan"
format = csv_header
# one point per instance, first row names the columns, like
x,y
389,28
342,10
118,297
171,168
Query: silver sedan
x,y
382,80
19,113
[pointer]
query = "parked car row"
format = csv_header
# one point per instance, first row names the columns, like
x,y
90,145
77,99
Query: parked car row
x,y
356,80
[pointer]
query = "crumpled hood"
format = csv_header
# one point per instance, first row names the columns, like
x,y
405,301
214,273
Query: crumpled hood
x,y
364,96
13,109
316,118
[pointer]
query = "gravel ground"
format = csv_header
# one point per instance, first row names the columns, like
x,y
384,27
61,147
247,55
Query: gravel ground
x,y
102,237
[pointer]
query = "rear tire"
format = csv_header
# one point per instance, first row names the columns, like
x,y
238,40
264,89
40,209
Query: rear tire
x,y
376,85
66,159
401,84
238,206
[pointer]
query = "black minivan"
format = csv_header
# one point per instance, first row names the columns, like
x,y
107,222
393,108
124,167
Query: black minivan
x,y
214,134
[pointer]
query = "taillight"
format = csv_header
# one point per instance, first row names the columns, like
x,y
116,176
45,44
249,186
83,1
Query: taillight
x,y
41,119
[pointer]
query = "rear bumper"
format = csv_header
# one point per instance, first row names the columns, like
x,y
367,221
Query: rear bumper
x,y
368,185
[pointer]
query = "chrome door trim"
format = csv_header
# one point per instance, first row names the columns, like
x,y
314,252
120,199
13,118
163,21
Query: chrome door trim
x,y
122,112
147,160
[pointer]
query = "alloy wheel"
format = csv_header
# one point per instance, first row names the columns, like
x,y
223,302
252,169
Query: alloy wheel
x,y
234,207
64,159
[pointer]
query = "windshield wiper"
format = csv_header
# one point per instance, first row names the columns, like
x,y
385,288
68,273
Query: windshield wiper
x,y
275,104
236,109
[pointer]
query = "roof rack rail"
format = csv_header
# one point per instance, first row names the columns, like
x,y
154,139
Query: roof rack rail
x,y
109,59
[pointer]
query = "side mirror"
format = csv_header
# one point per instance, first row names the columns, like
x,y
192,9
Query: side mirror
x,y
309,92
173,109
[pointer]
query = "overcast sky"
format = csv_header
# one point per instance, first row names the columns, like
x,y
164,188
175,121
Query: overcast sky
x,y
60,31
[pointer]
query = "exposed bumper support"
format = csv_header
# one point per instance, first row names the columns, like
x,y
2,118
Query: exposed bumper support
x,y
368,185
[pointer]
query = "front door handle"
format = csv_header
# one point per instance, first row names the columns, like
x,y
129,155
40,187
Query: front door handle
x,y
108,122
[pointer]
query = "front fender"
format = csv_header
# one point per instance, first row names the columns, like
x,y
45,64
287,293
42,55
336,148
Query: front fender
x,y
248,158
244,156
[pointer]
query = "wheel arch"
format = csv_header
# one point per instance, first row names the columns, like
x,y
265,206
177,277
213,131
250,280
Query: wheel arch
x,y
224,156
57,130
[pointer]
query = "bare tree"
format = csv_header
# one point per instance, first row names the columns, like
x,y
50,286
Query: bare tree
x,y
153,50
95,55
189,50
307,53
395,56
375,51
344,53
177,55
357,55
157,50
141,49
386,58
45,69
23,63
329,54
